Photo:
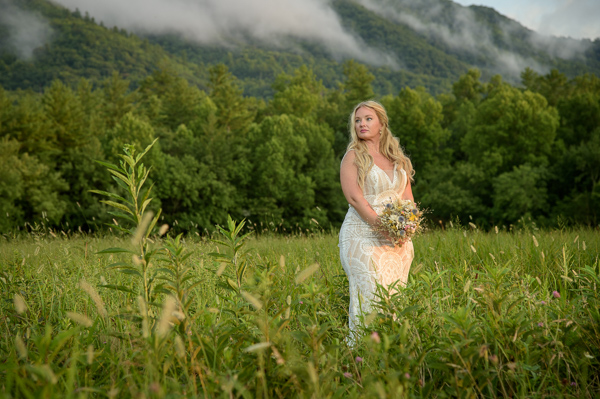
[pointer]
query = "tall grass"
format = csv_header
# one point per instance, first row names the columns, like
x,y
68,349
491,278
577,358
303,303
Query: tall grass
x,y
498,314
484,314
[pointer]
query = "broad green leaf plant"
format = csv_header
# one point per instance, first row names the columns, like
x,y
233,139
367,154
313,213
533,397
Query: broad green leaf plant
x,y
131,175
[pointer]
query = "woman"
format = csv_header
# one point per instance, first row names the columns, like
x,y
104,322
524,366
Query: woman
x,y
374,171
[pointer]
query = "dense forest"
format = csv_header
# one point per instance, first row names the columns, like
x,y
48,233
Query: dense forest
x,y
259,134
487,151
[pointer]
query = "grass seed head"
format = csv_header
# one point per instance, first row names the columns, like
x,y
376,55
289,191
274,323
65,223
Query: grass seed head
x,y
87,287
179,347
164,324
142,228
306,273
20,305
80,319
252,300
90,354
163,229
143,312
278,358
258,347
221,268
21,347
282,262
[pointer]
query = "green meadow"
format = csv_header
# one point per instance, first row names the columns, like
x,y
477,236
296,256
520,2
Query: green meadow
x,y
485,314
254,313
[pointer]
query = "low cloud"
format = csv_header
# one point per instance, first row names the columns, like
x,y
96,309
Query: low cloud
x,y
572,18
222,22
27,31
462,31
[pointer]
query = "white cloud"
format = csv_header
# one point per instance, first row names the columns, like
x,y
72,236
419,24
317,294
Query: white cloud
x,y
572,18
577,19
27,31
465,33
221,21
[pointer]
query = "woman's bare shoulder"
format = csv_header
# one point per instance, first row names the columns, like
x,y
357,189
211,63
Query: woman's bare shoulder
x,y
349,156
347,165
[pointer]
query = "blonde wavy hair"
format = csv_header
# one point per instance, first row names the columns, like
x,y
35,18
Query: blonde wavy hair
x,y
389,146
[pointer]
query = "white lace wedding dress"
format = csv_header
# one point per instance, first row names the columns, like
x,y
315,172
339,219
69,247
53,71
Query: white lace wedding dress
x,y
367,257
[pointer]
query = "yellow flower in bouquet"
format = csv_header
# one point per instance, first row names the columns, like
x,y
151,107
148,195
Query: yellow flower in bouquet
x,y
401,220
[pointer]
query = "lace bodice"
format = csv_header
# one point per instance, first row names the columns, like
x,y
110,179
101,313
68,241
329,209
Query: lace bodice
x,y
379,189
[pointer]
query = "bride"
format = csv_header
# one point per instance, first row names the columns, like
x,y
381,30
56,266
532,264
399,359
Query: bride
x,y
374,171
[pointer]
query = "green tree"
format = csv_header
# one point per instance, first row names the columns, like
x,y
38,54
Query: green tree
x,y
65,118
416,119
358,84
234,112
459,109
511,128
117,98
520,193
25,121
279,187
295,174
29,190
169,100
299,95
553,86
133,130
575,161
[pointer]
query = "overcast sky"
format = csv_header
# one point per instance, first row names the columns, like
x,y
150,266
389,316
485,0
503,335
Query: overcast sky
x,y
578,19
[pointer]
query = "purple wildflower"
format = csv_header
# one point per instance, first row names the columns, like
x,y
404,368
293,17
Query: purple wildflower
x,y
555,294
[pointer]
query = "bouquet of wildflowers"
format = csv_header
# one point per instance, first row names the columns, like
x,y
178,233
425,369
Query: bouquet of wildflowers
x,y
401,220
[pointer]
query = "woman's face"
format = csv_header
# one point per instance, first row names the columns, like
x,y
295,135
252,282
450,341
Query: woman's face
x,y
367,124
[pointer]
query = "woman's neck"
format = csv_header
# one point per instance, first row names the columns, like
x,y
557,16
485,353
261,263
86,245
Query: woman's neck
x,y
373,147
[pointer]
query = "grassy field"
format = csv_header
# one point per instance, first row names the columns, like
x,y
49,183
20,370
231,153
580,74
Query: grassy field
x,y
485,314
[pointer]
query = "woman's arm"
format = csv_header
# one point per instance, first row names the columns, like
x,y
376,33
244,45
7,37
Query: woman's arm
x,y
353,192
408,195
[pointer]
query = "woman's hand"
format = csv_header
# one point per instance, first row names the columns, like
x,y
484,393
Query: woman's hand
x,y
385,234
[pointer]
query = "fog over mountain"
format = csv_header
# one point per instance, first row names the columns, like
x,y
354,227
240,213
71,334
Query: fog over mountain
x,y
26,30
280,22
219,22
459,28
577,19
440,33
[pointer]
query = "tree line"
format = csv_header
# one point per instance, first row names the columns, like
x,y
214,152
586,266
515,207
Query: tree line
x,y
487,152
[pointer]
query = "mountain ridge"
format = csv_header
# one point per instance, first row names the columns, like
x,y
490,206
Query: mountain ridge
x,y
417,45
